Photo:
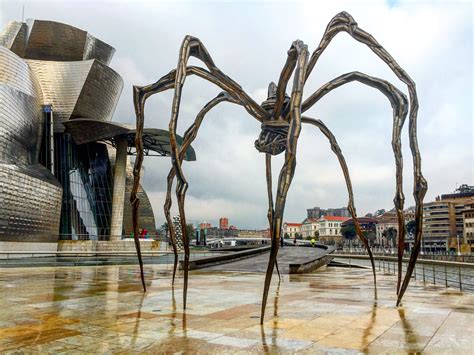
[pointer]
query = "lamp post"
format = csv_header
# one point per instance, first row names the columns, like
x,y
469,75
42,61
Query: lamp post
x,y
459,248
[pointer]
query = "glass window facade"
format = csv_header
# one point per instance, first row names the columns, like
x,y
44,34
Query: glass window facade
x,y
86,177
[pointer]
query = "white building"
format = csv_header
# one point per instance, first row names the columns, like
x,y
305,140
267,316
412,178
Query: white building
x,y
309,228
291,229
330,228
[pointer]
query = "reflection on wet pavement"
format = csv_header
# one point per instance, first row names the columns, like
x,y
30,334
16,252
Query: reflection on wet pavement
x,y
102,309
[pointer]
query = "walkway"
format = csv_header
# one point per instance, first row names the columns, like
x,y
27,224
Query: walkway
x,y
259,263
102,309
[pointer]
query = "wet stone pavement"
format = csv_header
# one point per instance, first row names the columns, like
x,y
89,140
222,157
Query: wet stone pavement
x,y
102,310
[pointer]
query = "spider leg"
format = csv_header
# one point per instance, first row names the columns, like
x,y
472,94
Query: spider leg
x,y
188,138
288,169
169,221
344,22
283,80
400,108
268,166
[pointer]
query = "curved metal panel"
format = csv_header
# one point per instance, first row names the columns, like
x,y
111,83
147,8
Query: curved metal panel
x,y
78,89
146,217
20,126
13,37
48,40
31,204
84,130
97,49
62,83
20,110
15,72
100,93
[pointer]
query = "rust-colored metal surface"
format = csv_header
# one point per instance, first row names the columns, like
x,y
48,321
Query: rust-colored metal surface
x,y
281,118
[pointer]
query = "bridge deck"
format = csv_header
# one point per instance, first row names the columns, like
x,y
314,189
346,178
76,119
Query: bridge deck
x,y
287,255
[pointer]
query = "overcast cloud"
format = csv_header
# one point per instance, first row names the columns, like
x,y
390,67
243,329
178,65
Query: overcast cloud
x,y
431,40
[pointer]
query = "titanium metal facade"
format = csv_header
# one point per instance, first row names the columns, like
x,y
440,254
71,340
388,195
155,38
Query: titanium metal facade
x,y
30,196
68,196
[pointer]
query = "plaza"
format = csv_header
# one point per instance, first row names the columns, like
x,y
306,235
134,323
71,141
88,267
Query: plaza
x,y
103,310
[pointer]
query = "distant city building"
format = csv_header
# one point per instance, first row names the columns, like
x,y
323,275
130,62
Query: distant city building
x,y
468,224
266,234
337,212
251,233
443,221
366,223
390,220
384,223
314,212
317,212
223,223
205,225
291,229
329,229
309,228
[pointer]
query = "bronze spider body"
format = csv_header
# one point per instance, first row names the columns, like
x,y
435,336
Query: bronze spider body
x,y
281,118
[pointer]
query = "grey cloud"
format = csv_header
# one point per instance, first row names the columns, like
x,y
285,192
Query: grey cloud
x,y
248,41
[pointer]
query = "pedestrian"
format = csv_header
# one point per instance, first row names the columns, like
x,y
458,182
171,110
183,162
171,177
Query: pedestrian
x,y
313,242
294,241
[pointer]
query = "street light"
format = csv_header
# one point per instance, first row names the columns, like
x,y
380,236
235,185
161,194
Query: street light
x,y
459,248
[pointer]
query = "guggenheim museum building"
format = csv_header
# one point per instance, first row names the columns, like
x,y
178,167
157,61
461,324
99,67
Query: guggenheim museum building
x,y
65,171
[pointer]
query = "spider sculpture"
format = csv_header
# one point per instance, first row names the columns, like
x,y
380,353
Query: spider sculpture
x,y
281,118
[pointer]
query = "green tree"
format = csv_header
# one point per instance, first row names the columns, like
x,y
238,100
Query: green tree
x,y
464,188
348,232
190,231
287,236
410,228
391,235
371,236
379,212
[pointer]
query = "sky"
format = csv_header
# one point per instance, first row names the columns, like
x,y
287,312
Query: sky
x,y
248,40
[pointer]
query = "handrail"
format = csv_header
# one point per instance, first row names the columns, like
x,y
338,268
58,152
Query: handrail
x,y
419,261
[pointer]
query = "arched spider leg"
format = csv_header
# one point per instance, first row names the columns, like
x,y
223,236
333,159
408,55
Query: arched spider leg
x,y
288,170
400,108
344,22
192,46
188,138
140,95
283,81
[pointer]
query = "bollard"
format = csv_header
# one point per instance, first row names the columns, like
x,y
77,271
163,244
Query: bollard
x,y
424,279
434,275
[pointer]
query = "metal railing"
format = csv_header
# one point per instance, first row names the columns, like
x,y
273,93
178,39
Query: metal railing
x,y
454,274
437,256
89,258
